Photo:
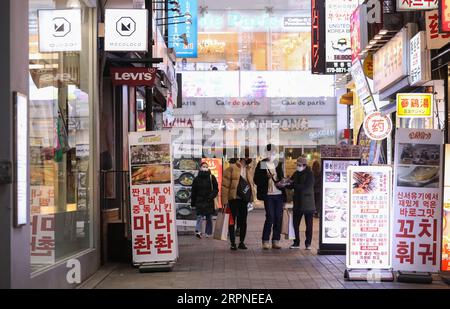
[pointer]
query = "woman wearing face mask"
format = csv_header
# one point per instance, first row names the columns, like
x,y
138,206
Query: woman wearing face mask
x,y
239,168
204,191
268,172
304,205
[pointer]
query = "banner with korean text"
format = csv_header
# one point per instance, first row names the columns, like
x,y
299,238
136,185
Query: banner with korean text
x,y
154,235
417,200
369,219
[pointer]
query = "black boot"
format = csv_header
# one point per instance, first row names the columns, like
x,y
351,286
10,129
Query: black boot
x,y
233,247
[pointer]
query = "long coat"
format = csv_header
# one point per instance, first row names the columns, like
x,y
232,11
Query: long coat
x,y
204,191
261,180
303,185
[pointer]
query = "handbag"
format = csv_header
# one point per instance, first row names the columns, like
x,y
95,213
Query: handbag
x,y
291,232
285,222
216,199
221,227
244,191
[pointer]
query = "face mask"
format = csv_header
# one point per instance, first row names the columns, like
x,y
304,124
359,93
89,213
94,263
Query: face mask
x,y
273,156
204,169
301,168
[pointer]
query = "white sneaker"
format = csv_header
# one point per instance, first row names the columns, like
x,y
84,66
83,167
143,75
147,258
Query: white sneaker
x,y
266,246
294,247
208,236
308,247
198,235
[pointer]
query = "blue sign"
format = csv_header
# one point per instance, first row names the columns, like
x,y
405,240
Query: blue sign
x,y
183,35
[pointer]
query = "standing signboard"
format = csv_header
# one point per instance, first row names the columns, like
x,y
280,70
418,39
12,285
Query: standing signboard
x,y
369,241
417,200
337,35
154,234
334,225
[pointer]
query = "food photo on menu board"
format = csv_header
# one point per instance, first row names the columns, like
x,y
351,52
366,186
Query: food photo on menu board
x,y
418,166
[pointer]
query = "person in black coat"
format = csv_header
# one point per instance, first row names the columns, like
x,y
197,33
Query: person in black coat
x,y
204,190
304,205
268,173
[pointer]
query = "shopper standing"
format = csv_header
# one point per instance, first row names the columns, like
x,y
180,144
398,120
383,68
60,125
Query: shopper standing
x,y
317,188
204,190
268,172
236,177
303,185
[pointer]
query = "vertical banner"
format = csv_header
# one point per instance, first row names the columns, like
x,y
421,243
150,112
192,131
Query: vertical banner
x,y
446,218
337,32
183,29
369,241
154,235
216,168
444,15
334,225
317,36
417,198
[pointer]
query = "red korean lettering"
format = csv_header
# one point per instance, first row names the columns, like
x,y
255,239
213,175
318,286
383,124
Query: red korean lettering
x,y
163,222
405,252
142,223
429,254
142,244
163,243
406,232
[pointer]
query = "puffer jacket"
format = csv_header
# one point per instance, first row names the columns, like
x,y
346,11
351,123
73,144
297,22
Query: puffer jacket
x,y
303,185
230,181
204,191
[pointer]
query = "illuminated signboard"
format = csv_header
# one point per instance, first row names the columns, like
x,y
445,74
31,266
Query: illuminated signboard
x,y
414,105
183,29
126,30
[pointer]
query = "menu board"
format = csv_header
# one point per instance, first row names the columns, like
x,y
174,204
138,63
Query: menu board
x,y
340,151
369,241
335,201
185,170
418,200
154,234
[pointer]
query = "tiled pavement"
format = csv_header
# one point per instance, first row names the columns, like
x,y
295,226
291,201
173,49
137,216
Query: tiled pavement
x,y
208,263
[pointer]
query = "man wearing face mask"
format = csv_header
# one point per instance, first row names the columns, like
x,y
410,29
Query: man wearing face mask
x,y
204,191
236,177
268,173
304,205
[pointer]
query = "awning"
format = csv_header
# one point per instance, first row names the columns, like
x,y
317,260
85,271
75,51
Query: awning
x,y
346,99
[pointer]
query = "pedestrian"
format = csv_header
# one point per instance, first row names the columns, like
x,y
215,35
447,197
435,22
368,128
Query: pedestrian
x,y
304,205
236,194
204,190
317,188
268,173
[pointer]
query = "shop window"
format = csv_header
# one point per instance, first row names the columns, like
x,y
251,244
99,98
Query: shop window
x,y
61,104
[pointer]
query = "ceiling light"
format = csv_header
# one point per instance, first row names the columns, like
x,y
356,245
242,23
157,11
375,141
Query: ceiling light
x,y
383,32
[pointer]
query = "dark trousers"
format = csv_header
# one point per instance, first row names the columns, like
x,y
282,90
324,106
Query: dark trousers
x,y
318,200
297,218
238,209
274,214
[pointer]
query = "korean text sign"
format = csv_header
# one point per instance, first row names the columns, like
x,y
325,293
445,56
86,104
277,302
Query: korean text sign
x,y
435,39
414,5
335,197
369,241
180,30
414,105
154,235
417,200
338,35
446,217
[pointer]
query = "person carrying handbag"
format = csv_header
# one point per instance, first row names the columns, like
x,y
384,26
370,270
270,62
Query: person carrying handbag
x,y
236,194
204,191
268,174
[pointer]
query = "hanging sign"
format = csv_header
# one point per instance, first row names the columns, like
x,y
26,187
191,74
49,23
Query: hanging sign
x,y
337,35
183,29
317,36
154,234
435,39
419,60
417,200
414,105
444,15
358,31
368,66
370,209
377,126
126,30
415,5
59,30
133,76
445,265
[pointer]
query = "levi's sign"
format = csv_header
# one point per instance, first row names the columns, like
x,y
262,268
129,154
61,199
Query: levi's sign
x,y
133,76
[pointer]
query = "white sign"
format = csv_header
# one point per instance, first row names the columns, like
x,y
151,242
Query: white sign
x,y
435,40
369,227
154,234
377,126
362,86
415,5
59,30
335,201
22,199
126,30
390,63
43,239
337,35
418,200
420,61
